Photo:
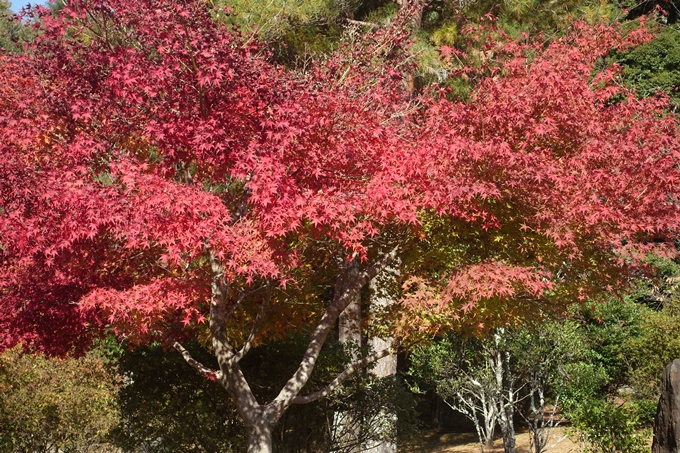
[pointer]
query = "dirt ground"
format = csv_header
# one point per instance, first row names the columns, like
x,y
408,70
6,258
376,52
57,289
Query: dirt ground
x,y
439,441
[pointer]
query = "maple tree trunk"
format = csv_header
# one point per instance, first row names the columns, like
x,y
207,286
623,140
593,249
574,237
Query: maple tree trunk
x,y
260,419
260,437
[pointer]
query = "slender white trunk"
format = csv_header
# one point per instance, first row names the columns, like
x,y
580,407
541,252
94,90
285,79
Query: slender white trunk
x,y
505,383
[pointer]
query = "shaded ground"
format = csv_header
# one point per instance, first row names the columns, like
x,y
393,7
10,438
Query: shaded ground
x,y
440,441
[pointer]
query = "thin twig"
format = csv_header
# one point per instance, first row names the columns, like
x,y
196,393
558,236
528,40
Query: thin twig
x,y
350,370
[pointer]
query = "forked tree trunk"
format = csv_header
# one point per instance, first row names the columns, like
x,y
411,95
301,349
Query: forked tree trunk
x,y
260,419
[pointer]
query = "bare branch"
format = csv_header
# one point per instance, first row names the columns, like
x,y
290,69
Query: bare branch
x,y
218,313
238,302
350,370
230,375
256,326
371,271
195,363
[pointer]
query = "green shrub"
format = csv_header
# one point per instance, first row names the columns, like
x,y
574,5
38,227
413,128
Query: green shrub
x,y
605,427
55,404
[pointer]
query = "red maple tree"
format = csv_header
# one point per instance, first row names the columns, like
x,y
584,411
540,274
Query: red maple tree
x,y
160,176
578,177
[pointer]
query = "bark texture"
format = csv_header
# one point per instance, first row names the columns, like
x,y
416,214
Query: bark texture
x,y
346,429
383,296
667,421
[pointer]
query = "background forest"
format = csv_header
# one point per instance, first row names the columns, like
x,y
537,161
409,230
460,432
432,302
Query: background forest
x,y
591,362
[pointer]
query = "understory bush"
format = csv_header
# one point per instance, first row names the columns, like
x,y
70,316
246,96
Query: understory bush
x,y
606,427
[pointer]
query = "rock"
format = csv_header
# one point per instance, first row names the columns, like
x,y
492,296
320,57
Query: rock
x,y
667,421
